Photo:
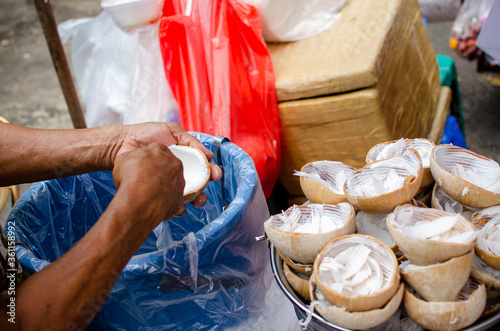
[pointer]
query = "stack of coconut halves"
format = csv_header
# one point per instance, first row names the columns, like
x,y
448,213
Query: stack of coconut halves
x,y
429,213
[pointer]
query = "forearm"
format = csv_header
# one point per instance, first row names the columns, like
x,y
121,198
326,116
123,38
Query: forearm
x,y
28,155
84,276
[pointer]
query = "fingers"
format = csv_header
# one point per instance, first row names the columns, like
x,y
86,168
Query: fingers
x,y
215,171
181,211
200,201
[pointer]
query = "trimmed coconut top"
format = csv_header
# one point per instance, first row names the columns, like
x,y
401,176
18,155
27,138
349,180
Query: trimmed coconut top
x,y
374,225
195,166
356,265
330,174
397,148
312,218
432,224
469,166
471,285
384,176
478,264
488,238
443,201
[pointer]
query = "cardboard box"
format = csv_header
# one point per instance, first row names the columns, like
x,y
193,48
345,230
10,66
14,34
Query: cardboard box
x,y
373,77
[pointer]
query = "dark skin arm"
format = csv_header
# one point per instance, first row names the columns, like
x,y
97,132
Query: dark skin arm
x,y
69,292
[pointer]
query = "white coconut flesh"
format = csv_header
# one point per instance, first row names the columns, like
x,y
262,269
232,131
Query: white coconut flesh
x,y
427,223
488,239
313,218
397,148
384,176
358,266
330,174
466,165
374,225
443,201
196,169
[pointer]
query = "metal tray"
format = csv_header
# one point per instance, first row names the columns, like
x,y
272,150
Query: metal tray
x,y
320,324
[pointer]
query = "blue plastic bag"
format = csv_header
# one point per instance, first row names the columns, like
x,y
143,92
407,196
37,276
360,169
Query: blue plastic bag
x,y
198,272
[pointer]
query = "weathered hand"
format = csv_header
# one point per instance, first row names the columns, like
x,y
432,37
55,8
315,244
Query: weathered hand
x,y
142,135
152,177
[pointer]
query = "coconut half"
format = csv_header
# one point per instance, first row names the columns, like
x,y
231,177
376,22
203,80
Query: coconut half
x,y
382,185
488,243
469,178
305,269
428,235
323,181
376,226
354,320
299,282
393,148
483,216
483,272
442,201
302,231
196,170
441,281
448,315
357,272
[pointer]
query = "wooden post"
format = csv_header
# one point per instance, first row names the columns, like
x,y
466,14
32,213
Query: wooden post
x,y
48,22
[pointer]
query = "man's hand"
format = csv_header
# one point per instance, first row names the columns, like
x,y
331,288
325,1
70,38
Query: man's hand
x,y
154,177
142,135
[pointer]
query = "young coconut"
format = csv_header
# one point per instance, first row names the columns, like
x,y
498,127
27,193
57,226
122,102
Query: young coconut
x,y
442,201
323,181
428,235
360,320
375,225
305,269
441,281
469,178
302,231
393,148
196,170
298,281
488,243
357,272
448,315
483,272
483,216
382,185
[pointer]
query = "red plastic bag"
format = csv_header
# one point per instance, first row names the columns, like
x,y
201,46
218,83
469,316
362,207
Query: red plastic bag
x,y
221,74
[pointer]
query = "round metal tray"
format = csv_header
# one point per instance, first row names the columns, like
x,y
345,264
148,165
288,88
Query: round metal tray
x,y
320,324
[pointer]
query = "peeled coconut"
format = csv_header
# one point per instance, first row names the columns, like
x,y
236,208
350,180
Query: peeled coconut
x,y
357,272
393,148
305,269
382,185
441,200
298,281
360,320
196,170
486,274
469,178
488,243
483,216
302,231
428,235
448,315
375,225
323,181
440,281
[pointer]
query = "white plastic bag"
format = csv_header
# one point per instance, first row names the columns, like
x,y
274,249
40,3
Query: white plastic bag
x,y
119,74
291,20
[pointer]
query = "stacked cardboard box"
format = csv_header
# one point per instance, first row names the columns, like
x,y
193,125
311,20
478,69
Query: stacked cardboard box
x,y
372,77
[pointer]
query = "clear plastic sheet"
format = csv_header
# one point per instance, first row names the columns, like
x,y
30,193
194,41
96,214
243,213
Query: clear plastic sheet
x,y
202,271
119,73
